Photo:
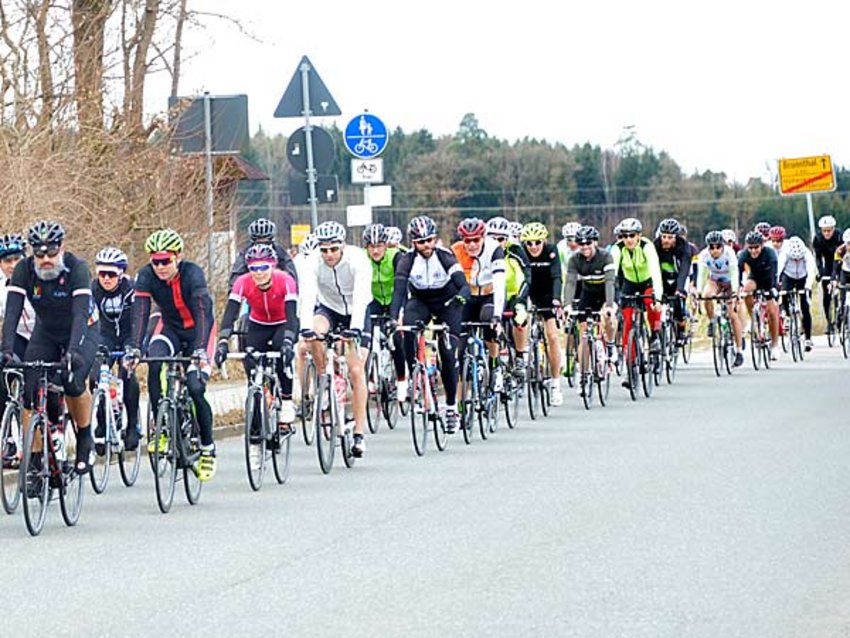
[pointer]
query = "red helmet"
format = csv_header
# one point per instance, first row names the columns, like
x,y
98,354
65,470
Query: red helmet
x,y
777,233
471,227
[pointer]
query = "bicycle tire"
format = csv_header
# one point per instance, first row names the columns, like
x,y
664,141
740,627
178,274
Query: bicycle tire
x,y
603,380
254,434
646,362
129,461
10,477
671,361
323,419
71,487
36,500
418,410
165,461
832,329
99,472
468,400
282,455
717,347
482,404
728,349
390,403
570,351
374,409
845,335
632,357
784,337
308,400
543,361
755,347
532,387
510,400
191,483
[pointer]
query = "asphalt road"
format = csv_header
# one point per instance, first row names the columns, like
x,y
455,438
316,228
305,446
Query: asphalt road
x,y
717,508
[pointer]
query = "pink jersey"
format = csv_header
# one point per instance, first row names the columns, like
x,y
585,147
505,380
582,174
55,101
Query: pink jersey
x,y
267,306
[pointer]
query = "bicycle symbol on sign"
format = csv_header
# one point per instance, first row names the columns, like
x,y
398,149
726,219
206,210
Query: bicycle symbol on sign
x,y
366,167
366,145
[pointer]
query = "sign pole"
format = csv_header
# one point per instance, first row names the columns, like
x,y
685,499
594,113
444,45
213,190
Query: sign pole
x,y
209,184
308,134
811,216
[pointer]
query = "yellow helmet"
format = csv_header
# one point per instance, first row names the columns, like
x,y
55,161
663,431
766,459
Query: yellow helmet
x,y
535,231
165,240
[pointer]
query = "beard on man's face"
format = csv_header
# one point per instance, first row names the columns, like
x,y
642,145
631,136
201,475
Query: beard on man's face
x,y
51,272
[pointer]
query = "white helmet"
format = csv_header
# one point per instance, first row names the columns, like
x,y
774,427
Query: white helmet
x,y
728,235
570,229
394,235
330,233
796,248
514,230
308,244
846,236
498,226
630,225
827,221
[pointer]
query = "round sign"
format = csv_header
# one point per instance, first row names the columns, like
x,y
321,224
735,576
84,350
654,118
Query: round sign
x,y
324,152
365,136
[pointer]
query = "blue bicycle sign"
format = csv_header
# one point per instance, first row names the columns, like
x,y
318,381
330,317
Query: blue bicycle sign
x,y
365,136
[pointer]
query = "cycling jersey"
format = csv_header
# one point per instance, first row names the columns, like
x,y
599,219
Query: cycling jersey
x,y
284,262
761,269
825,251
565,253
115,308
675,264
842,261
804,268
722,269
436,279
27,320
545,285
639,265
383,276
484,272
267,306
346,288
596,275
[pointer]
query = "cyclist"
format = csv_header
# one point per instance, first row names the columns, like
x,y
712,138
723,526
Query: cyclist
x,y
514,232
777,240
674,256
797,271
58,285
179,288
384,261
730,238
438,289
757,267
718,276
263,231
763,228
394,237
335,293
483,263
568,247
826,242
841,271
114,293
545,290
595,268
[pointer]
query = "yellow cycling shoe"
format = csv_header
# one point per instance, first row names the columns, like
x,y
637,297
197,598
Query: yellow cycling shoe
x,y
163,444
205,467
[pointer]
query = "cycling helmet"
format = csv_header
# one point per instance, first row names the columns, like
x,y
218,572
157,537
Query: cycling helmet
x,y
421,227
714,237
262,229
394,235
570,229
471,227
374,234
45,233
629,225
777,233
683,231
535,231
308,244
165,240
729,235
586,233
12,244
515,230
827,221
498,226
763,228
669,226
754,238
111,256
846,236
260,252
796,248
330,233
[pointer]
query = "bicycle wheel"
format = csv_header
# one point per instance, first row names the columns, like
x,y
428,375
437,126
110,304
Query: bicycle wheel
x,y
845,334
308,400
602,375
389,400
35,476
484,394
783,330
323,419
586,381
101,411
717,347
533,387
165,455
256,418
755,347
418,409
688,343
510,401
192,443
70,483
798,339
440,436
129,460
373,393
671,357
13,448
570,358
832,329
468,399
646,363
632,356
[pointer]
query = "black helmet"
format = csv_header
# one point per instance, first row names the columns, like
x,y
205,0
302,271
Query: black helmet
x,y
12,244
45,233
754,238
421,227
262,229
374,234
669,226
714,237
586,234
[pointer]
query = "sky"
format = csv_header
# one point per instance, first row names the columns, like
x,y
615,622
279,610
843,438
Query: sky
x,y
723,86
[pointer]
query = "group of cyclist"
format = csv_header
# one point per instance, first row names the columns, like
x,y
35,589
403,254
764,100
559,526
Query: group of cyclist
x,y
496,274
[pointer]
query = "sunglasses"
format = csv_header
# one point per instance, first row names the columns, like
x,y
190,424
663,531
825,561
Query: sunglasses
x,y
534,243
329,249
161,261
46,251
498,238
107,274
472,240
585,243
259,267
715,246
628,235
422,242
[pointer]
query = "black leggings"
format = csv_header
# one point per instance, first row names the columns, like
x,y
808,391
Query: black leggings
x,y
258,337
789,283
418,310
47,347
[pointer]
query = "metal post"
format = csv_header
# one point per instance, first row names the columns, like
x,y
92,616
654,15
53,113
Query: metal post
x,y
811,216
308,135
209,180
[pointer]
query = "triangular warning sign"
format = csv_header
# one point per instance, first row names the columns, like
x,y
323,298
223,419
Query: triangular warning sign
x,y
321,101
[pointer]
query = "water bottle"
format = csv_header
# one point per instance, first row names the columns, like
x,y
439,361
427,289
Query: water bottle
x,y
57,438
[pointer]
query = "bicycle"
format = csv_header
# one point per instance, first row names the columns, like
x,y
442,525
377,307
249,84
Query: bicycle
x,y
109,414
794,323
640,360
692,311
760,340
424,379
570,350
594,366
262,415
308,399
833,313
176,435
513,378
722,337
331,422
475,390
12,442
381,382
45,469
538,365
